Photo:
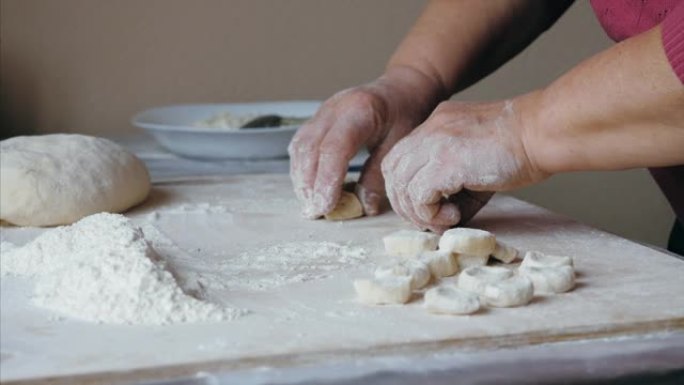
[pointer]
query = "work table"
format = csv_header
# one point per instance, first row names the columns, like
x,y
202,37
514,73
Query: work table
x,y
625,318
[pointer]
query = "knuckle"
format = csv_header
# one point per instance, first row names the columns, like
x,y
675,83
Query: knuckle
x,y
331,149
361,97
367,106
301,143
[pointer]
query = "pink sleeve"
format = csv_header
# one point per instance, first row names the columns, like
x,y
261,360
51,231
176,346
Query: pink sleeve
x,y
673,39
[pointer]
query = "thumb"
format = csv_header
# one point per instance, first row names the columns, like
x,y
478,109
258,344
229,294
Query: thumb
x,y
371,185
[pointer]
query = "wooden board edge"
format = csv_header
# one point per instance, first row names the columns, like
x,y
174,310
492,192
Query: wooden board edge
x,y
161,373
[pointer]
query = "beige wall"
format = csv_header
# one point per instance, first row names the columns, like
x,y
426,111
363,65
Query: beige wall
x,y
88,65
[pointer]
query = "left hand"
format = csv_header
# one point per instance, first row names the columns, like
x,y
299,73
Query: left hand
x,y
447,169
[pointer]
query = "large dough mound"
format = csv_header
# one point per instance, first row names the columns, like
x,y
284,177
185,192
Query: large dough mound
x,y
58,179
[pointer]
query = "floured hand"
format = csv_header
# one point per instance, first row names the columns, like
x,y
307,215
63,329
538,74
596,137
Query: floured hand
x,y
375,115
447,169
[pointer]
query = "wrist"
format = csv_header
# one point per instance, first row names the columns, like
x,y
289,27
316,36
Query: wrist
x,y
417,87
532,132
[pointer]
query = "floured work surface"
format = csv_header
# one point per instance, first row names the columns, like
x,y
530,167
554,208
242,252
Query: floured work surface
x,y
241,238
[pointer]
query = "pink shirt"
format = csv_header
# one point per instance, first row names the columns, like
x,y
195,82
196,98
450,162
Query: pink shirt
x,y
625,18
622,19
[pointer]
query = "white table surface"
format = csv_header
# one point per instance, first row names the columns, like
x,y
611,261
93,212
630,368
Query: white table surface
x,y
596,359
593,360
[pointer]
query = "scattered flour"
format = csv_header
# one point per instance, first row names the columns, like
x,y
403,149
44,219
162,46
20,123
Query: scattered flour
x,y
273,266
102,269
262,206
197,208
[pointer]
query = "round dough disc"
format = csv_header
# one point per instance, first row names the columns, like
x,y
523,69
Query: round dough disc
x,y
417,271
383,291
510,292
537,259
463,240
447,299
550,280
58,179
348,207
476,278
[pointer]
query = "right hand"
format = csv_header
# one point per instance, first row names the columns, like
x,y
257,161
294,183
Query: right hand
x,y
375,115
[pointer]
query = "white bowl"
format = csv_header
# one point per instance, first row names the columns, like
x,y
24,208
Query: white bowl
x,y
173,127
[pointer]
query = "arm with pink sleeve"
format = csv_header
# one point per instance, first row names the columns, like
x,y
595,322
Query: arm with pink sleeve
x,y
671,179
622,108
673,40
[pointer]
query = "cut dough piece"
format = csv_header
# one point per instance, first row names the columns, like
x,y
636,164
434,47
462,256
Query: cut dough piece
x,y
476,278
388,290
465,261
449,299
409,243
463,240
513,291
417,271
537,259
441,263
57,179
550,280
504,252
348,207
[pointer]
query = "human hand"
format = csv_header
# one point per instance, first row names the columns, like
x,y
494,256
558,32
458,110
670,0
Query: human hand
x,y
447,169
375,115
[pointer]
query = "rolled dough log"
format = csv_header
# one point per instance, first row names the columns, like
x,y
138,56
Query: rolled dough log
x,y
449,299
348,207
467,241
383,291
417,271
409,243
441,263
58,179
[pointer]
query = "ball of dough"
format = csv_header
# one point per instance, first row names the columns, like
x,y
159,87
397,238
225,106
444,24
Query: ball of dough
x,y
409,243
448,299
348,207
383,291
537,259
58,179
417,271
510,292
550,280
441,263
463,240
504,252
475,279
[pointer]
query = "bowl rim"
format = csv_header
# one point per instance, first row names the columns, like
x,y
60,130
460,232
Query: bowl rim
x,y
137,119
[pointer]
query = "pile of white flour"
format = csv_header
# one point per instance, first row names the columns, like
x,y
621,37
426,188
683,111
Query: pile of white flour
x,y
102,269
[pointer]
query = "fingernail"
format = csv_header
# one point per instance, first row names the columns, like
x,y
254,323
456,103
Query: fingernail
x,y
371,203
308,212
369,200
304,193
450,213
308,209
319,203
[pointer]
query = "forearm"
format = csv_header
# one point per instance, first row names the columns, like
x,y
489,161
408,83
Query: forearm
x,y
623,108
454,43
